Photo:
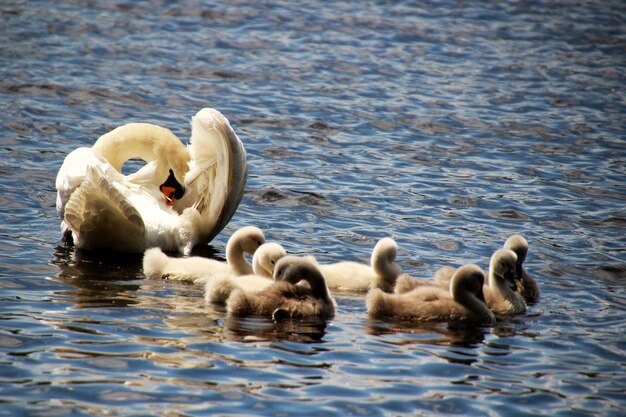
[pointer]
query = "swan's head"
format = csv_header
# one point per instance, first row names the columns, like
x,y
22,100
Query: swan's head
x,y
517,244
502,268
174,157
265,258
469,278
172,189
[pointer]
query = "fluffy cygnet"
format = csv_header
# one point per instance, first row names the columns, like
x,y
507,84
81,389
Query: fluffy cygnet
x,y
500,290
526,285
285,299
463,301
501,293
218,288
353,276
156,264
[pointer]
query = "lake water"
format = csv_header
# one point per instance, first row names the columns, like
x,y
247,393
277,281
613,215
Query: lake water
x,y
445,125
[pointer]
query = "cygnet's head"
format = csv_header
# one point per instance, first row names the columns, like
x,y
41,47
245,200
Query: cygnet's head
x,y
294,269
250,238
265,259
502,267
469,278
518,244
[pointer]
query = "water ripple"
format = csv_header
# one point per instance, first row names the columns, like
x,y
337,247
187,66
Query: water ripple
x,y
445,126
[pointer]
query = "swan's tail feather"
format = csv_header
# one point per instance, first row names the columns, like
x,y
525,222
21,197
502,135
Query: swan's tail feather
x,y
100,217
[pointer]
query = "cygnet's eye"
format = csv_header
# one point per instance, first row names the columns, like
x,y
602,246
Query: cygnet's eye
x,y
259,243
273,262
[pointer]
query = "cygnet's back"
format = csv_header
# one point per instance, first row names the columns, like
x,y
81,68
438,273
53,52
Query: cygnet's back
x,y
284,298
218,288
463,301
353,276
157,264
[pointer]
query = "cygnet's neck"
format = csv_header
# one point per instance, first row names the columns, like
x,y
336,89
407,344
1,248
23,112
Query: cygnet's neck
x,y
383,260
236,259
312,275
464,286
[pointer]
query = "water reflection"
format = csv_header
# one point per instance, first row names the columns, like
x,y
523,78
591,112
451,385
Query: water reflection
x,y
439,334
254,329
96,279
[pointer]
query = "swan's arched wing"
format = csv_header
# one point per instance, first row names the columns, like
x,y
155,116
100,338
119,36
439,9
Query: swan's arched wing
x,y
238,175
218,172
100,217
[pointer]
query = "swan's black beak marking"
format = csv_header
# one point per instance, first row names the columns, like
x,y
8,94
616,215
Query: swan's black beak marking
x,y
172,189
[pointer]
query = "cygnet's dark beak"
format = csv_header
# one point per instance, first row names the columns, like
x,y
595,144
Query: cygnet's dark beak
x,y
481,296
518,272
172,189
510,277
280,314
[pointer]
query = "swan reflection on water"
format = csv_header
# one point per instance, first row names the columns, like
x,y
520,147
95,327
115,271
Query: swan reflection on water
x,y
96,279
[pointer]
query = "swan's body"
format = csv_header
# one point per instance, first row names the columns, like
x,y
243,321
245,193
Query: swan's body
x,y
353,276
283,298
463,301
501,293
248,239
218,288
102,209
526,285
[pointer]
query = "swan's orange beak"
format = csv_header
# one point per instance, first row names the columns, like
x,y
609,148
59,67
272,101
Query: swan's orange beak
x,y
168,192
172,189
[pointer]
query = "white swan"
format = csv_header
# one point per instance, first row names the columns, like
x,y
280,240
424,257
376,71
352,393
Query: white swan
x,y
180,198
283,298
354,276
217,288
248,239
526,285
463,301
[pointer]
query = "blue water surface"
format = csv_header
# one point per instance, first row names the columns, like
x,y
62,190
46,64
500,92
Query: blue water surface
x,y
445,125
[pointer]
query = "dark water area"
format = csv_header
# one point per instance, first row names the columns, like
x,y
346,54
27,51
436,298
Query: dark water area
x,y
445,125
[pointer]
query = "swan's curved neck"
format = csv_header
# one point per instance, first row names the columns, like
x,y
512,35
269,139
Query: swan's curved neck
x,y
146,141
